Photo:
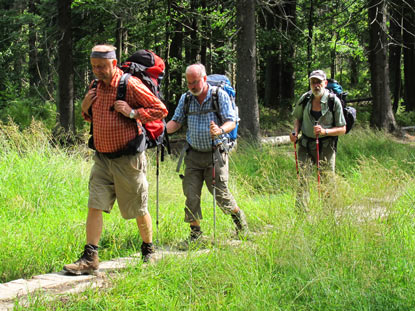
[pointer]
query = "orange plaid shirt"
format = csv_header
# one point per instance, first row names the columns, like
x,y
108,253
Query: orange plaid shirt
x,y
112,130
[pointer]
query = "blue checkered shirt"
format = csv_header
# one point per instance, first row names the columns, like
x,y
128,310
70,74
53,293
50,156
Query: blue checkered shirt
x,y
198,125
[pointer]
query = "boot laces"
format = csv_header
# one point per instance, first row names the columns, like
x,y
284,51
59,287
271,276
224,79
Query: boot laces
x,y
86,255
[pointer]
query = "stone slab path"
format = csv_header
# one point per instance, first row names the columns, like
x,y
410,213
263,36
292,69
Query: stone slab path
x,y
59,283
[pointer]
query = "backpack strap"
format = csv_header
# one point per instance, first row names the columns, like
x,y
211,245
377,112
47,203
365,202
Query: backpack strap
x,y
122,86
186,104
305,100
94,85
215,104
330,103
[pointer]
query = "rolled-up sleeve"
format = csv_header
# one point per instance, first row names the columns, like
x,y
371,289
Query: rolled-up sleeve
x,y
149,106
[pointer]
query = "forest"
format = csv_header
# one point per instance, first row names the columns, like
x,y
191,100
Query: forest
x,y
353,250
266,47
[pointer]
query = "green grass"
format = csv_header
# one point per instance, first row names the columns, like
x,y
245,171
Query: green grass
x,y
354,250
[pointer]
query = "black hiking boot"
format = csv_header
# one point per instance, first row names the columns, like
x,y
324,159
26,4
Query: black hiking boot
x,y
241,224
88,263
193,239
147,252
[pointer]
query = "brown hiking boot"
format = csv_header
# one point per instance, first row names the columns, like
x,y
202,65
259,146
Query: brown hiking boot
x,y
147,252
87,264
241,224
194,239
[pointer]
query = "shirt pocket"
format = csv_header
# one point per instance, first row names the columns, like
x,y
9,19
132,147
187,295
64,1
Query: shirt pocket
x,y
327,120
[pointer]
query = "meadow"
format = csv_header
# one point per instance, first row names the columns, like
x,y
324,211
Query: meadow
x,y
354,249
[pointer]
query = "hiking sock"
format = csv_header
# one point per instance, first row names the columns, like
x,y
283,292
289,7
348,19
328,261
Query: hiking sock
x,y
147,246
147,251
195,228
94,247
195,233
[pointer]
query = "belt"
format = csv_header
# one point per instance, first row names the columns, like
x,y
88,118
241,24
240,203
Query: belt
x,y
117,154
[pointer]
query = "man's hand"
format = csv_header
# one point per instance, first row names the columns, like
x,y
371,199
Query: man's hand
x,y
294,136
215,130
89,99
318,130
122,107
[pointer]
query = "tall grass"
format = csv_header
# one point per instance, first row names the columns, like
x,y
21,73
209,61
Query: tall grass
x,y
354,250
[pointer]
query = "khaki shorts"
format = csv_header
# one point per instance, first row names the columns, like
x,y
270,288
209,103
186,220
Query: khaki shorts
x,y
124,179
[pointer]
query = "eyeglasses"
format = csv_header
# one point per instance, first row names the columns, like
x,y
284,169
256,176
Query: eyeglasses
x,y
193,83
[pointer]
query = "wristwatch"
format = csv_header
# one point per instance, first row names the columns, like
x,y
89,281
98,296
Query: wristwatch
x,y
132,114
223,131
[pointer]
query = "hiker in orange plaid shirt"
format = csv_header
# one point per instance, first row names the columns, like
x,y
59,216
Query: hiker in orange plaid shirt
x,y
119,171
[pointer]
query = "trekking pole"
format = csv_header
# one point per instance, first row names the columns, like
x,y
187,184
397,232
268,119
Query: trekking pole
x,y
318,161
214,190
157,194
296,158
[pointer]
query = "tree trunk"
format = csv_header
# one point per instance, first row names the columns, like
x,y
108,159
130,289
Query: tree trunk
x,y
278,54
310,37
34,77
272,81
119,36
204,41
409,58
354,72
287,56
246,91
175,73
166,84
194,41
395,52
271,21
65,68
382,116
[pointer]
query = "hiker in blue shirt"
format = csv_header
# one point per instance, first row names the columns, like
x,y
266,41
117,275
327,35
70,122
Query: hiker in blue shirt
x,y
314,118
205,138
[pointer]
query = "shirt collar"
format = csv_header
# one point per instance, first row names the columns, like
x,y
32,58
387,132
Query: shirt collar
x,y
116,77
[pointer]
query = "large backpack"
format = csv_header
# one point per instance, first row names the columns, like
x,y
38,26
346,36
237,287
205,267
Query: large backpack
x,y
219,81
336,90
149,68
349,112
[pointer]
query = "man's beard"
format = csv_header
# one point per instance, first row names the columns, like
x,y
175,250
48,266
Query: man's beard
x,y
196,93
318,92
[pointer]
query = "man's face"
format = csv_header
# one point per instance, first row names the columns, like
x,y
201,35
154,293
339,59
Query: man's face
x,y
195,83
317,86
103,68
